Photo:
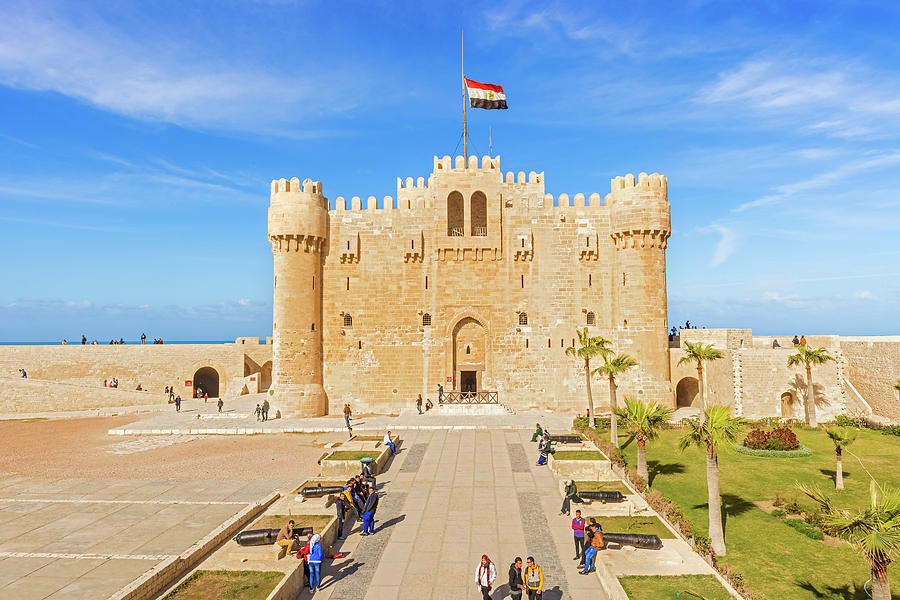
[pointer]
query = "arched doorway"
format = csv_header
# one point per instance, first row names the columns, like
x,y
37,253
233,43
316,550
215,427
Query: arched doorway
x,y
687,392
207,379
787,405
265,376
478,205
469,351
456,215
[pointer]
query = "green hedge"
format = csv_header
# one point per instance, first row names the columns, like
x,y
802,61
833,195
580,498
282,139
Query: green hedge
x,y
805,528
799,452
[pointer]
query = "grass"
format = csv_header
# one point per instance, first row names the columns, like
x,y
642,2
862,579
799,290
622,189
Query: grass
x,y
776,560
623,524
317,522
680,587
352,455
602,486
240,585
578,455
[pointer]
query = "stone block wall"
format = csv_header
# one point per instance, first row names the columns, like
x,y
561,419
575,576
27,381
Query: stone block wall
x,y
873,367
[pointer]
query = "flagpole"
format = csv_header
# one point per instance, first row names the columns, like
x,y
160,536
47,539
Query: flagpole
x,y
491,141
463,72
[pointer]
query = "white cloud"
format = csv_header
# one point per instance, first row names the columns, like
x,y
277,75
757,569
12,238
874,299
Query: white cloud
x,y
863,295
790,300
726,245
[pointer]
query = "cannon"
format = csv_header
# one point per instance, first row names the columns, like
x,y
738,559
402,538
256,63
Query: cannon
x,y
317,491
566,439
638,540
603,496
266,537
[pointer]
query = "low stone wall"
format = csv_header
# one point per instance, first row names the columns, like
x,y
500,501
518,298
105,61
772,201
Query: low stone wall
x,y
30,395
349,468
581,469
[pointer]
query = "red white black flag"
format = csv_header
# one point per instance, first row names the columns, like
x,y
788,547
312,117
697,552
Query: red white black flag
x,y
485,95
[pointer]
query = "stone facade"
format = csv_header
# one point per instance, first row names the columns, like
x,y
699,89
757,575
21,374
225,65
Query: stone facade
x,y
473,279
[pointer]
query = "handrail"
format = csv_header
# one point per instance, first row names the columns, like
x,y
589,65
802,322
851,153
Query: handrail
x,y
456,397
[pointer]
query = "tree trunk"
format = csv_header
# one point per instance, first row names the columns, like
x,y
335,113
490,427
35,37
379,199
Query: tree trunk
x,y
716,533
587,380
613,425
642,460
810,400
839,472
701,375
881,585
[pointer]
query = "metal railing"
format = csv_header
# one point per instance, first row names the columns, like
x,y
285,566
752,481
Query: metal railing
x,y
455,232
479,231
470,398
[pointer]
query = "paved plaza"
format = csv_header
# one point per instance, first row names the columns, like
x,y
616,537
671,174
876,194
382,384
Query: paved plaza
x,y
81,538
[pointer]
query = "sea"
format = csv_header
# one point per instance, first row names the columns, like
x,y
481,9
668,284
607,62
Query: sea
x,y
127,342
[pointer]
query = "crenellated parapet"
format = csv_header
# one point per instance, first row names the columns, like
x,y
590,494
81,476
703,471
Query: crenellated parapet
x,y
297,216
640,211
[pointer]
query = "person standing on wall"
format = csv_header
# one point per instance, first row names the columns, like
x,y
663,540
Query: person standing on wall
x,y
143,338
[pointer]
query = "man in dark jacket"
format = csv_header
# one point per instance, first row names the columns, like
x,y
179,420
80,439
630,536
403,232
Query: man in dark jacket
x,y
341,508
369,508
516,583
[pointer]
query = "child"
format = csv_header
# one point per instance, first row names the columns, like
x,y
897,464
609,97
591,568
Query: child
x,y
258,412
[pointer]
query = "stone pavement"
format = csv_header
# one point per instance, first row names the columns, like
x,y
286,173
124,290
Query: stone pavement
x,y
78,538
449,497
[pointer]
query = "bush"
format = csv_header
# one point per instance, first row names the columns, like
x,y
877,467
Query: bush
x,y
805,528
637,481
581,423
778,513
782,438
891,430
757,439
703,545
845,421
798,453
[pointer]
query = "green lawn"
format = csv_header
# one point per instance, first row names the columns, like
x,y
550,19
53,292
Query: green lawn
x,y
623,524
237,585
578,455
777,560
352,455
602,486
676,587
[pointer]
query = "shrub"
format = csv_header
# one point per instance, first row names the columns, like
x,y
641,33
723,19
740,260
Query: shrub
x,y
805,528
703,545
798,453
778,500
637,481
581,423
891,430
782,438
845,421
793,507
757,439
778,513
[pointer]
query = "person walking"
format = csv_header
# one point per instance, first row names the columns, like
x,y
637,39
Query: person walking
x,y
538,433
390,443
485,573
419,404
347,415
570,493
534,579
516,582
265,410
220,404
258,411
368,510
178,404
340,507
578,533
315,563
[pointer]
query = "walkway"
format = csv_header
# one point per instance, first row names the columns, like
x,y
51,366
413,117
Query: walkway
x,y
451,496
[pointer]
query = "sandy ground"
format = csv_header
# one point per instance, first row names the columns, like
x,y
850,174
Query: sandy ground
x,y
81,448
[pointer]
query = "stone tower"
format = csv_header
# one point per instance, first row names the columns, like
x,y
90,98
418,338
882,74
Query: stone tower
x,y
640,226
298,226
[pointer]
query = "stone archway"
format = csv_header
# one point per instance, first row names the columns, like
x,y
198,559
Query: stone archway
x,y
207,379
687,392
787,405
469,355
265,376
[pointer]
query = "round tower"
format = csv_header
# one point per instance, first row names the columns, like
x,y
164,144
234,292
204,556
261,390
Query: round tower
x,y
640,226
297,231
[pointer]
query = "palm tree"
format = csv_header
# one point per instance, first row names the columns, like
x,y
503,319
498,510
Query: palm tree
x,y
610,368
588,347
717,431
644,422
875,530
808,358
841,437
699,354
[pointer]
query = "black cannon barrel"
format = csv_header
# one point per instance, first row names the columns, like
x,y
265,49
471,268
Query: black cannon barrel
x,y
638,540
566,439
317,491
603,496
265,537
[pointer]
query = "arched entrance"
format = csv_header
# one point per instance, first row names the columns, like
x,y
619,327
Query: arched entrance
x,y
265,376
469,351
207,379
687,392
787,405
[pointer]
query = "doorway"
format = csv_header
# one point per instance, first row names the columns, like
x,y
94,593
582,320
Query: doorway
x,y
207,379
468,381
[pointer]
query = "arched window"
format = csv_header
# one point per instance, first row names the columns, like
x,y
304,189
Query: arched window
x,y
456,215
348,320
478,205
426,320
590,318
523,318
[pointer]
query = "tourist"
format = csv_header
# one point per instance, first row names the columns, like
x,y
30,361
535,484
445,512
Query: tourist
x,y
265,410
795,341
367,475
220,404
167,390
578,532
775,344
171,392
534,579
419,404
303,554
390,443
803,340
347,415
369,508
178,404
143,338
315,563
340,506
285,537
24,374
205,397
545,449
485,573
121,340
428,405
64,342
350,497
258,412
440,393
83,340
570,493
516,583
595,535
537,433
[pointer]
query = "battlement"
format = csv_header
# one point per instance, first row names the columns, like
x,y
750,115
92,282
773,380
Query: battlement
x,y
459,164
293,185
654,181
578,201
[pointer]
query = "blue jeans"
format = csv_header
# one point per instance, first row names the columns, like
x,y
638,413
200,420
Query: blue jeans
x,y
347,421
392,447
566,506
368,522
589,555
315,575
542,460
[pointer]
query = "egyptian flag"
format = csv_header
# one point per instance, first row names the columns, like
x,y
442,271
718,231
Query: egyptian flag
x,y
485,95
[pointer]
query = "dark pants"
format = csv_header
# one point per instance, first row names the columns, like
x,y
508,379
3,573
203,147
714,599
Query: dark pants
x,y
579,547
566,507
340,527
534,594
515,594
486,592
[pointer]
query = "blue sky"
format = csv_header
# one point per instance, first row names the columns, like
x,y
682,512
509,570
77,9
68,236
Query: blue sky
x,y
137,142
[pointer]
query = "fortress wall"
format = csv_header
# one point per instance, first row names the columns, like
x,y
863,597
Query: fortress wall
x,y
873,367
719,377
19,395
152,366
